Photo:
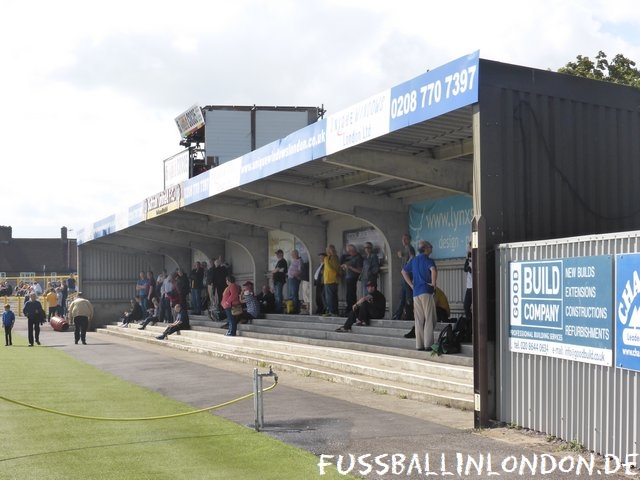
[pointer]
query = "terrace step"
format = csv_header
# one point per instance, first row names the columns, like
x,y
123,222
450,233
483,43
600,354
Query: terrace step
x,y
426,378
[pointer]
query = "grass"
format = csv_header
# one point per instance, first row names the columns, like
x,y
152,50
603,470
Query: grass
x,y
38,444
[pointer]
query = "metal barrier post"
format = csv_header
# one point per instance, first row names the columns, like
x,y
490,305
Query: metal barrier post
x,y
257,395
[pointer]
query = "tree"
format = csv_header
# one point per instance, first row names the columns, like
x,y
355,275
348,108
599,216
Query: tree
x,y
619,70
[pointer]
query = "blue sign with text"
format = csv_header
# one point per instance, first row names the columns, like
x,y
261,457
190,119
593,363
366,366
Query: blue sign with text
x,y
434,93
562,308
627,306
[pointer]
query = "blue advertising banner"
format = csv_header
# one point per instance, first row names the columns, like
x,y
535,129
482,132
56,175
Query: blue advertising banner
x,y
196,188
562,308
434,93
445,223
627,304
302,146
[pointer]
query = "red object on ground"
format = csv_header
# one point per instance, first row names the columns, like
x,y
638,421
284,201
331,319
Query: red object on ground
x,y
59,324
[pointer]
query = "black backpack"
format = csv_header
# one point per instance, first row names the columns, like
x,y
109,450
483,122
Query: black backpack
x,y
446,343
462,330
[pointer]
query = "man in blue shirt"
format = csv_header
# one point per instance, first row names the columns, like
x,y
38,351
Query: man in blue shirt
x,y
421,275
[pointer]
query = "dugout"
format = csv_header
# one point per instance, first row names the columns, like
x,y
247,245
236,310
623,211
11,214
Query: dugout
x,y
537,154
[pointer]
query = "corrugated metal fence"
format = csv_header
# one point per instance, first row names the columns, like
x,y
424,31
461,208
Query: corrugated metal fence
x,y
575,401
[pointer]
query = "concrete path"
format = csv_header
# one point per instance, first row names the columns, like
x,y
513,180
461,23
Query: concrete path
x,y
325,418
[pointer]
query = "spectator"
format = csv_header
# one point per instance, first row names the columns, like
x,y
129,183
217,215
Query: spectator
x,y
219,276
293,280
64,290
142,290
368,307
151,287
35,316
169,297
230,301
36,288
267,300
405,305
51,298
251,305
442,310
370,267
181,322
196,277
61,307
331,277
152,314
71,283
468,294
351,264
6,289
182,284
318,281
8,320
81,313
279,275
135,314
424,276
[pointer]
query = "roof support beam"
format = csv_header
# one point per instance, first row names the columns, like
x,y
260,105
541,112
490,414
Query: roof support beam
x,y
341,202
452,175
270,219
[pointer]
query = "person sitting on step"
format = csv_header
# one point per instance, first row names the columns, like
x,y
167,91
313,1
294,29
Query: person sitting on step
x,y
153,313
251,304
181,322
133,315
369,307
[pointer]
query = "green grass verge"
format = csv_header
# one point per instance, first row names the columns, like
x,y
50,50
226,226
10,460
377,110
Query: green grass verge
x,y
43,445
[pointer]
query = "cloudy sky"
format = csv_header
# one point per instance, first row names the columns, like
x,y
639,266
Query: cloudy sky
x,y
90,89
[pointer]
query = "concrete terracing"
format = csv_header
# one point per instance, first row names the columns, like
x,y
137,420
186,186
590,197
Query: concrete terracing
x,y
375,357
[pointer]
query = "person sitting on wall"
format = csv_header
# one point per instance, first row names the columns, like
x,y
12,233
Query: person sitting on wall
x,y
369,307
180,323
133,315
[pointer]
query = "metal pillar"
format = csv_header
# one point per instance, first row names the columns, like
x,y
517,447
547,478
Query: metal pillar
x,y
257,395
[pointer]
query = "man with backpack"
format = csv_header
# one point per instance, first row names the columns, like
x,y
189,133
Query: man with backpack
x,y
421,275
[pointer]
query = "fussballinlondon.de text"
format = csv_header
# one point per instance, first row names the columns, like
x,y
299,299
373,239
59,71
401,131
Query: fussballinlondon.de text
x,y
464,465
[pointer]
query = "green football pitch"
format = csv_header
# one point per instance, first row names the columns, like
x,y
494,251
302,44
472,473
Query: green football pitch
x,y
54,440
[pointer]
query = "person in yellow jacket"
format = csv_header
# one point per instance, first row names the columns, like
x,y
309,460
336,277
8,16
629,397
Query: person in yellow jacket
x,y
52,303
81,312
331,277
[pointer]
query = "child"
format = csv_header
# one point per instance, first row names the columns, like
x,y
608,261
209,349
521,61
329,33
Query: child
x,y
8,319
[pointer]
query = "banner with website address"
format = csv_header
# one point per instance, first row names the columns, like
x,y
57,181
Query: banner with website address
x,y
445,223
562,308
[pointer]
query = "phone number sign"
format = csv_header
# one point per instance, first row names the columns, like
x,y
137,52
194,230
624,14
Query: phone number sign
x,y
447,88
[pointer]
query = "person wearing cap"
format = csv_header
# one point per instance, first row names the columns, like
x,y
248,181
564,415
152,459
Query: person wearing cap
x,y
81,313
279,275
371,306
421,275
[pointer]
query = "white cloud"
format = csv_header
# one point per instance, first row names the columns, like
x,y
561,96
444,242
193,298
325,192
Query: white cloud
x,y
90,90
